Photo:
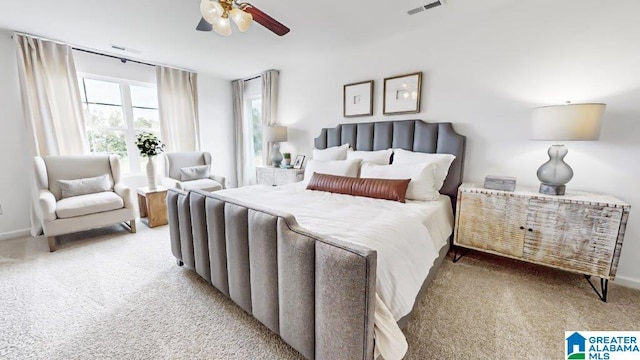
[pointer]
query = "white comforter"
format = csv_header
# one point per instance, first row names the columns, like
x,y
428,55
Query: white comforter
x,y
407,238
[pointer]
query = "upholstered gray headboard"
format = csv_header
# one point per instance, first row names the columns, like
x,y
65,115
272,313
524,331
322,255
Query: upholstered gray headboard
x,y
414,135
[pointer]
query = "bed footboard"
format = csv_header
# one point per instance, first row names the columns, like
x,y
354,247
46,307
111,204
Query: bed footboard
x,y
317,293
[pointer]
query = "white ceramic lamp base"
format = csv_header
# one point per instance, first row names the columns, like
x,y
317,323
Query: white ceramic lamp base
x,y
555,173
276,156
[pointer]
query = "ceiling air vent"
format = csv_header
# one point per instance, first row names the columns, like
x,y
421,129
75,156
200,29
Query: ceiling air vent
x,y
425,7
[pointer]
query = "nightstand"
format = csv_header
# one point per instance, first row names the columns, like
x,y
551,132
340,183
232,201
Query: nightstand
x,y
153,205
579,232
274,176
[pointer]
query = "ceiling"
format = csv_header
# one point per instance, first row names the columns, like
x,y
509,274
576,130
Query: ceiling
x,y
164,30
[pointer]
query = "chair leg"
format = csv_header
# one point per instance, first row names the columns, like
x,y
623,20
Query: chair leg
x,y
52,243
132,225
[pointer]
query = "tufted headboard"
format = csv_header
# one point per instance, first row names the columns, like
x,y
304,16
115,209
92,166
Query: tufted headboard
x,y
413,135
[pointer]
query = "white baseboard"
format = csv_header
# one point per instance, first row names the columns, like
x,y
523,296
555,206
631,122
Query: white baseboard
x,y
627,282
15,234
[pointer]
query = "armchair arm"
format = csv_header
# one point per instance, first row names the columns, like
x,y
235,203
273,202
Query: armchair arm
x,y
221,179
170,183
46,206
126,193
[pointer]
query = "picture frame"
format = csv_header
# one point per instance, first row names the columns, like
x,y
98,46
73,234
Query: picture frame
x,y
357,99
299,162
402,94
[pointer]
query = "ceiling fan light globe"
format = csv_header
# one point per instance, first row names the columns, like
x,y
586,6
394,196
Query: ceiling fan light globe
x,y
211,11
242,19
222,26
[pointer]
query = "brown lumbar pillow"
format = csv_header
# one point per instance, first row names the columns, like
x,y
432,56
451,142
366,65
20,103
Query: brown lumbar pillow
x,y
374,188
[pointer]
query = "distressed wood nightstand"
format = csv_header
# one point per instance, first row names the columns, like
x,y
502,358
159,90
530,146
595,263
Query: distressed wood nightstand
x,y
579,232
274,176
153,205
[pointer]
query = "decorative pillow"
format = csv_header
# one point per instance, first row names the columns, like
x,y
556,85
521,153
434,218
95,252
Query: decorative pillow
x,y
422,185
374,188
92,185
380,157
337,167
194,173
443,162
332,153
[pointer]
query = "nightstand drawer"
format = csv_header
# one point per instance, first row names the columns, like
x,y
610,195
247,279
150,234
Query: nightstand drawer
x,y
278,176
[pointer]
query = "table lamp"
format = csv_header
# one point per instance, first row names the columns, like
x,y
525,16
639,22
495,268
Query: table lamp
x,y
570,122
275,135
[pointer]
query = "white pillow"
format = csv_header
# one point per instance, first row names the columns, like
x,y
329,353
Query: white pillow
x,y
332,153
84,186
380,157
422,185
335,167
194,172
443,162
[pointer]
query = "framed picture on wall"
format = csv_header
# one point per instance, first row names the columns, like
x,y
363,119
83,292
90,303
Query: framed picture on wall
x,y
299,162
358,99
402,94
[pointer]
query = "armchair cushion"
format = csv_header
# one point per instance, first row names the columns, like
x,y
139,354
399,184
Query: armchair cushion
x,y
201,184
194,173
88,204
84,186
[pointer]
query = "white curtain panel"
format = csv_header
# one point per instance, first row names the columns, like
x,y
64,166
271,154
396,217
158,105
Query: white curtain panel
x,y
51,104
178,105
270,79
50,97
245,171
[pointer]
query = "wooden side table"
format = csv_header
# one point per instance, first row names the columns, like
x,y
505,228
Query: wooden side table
x,y
153,205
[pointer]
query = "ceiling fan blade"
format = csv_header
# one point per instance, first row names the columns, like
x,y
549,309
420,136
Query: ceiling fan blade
x,y
265,20
203,25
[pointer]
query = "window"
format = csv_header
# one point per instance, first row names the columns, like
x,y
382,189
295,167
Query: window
x,y
253,119
256,121
115,112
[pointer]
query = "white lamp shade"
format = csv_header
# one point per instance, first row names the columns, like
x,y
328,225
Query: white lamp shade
x,y
222,26
275,133
578,122
211,11
242,19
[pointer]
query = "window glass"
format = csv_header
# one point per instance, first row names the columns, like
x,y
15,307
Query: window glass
x,y
105,116
146,118
115,112
146,97
256,121
102,92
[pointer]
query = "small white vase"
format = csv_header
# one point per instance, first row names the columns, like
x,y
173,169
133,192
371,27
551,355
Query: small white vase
x,y
151,172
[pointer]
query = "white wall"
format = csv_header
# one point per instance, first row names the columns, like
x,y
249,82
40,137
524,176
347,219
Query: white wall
x,y
485,74
14,160
216,125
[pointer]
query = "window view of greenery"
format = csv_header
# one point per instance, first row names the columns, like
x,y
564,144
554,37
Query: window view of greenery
x,y
114,113
256,117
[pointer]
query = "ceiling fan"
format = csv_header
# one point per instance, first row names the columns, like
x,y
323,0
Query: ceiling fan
x,y
216,15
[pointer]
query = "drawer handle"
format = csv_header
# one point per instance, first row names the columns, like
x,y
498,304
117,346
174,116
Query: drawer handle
x,y
530,229
521,227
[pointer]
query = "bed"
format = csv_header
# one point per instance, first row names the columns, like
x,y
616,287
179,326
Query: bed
x,y
317,291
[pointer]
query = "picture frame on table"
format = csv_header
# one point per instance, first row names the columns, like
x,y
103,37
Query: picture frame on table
x,y
402,94
358,99
299,162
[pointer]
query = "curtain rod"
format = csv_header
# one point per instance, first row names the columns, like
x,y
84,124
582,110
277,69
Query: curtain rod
x,y
94,52
121,58
252,78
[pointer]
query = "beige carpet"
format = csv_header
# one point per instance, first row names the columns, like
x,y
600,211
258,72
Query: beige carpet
x,y
121,296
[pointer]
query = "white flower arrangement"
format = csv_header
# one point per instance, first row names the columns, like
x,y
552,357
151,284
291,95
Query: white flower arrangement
x,y
149,144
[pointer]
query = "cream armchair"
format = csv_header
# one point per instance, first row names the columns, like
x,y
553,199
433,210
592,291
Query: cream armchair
x,y
173,177
60,215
